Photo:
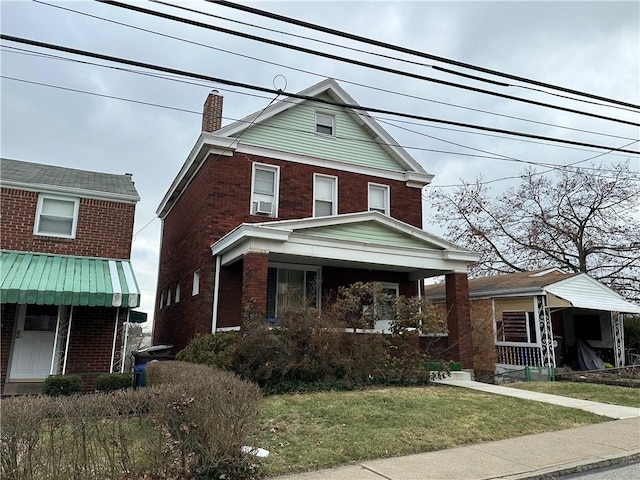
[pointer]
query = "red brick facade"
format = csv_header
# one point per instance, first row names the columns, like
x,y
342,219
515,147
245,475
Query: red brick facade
x,y
104,228
459,318
217,201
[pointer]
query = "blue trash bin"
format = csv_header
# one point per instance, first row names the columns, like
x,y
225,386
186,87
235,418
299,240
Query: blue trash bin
x,y
138,371
146,355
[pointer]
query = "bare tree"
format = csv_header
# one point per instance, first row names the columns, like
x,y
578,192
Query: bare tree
x,y
580,220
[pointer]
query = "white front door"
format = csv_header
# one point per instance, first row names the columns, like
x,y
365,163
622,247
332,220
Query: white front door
x,y
33,342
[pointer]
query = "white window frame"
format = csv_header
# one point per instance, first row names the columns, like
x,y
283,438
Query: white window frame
x,y
177,297
327,120
384,325
195,289
334,192
387,197
528,316
74,220
276,187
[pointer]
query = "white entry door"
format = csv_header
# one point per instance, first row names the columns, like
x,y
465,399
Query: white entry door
x,y
33,342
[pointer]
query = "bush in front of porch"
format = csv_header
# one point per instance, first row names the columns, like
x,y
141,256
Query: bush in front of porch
x,y
333,348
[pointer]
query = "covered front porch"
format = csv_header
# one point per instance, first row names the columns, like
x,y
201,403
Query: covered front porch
x,y
274,263
552,328
63,314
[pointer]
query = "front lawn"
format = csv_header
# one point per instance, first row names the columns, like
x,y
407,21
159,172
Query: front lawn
x,y
615,395
320,430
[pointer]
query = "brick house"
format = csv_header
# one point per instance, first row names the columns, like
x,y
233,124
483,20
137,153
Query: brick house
x,y
67,286
288,204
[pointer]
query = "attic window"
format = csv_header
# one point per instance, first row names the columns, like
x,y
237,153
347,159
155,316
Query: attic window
x,y
325,123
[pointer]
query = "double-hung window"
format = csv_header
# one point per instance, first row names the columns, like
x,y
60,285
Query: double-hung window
x,y
379,198
325,195
325,123
386,314
264,190
56,216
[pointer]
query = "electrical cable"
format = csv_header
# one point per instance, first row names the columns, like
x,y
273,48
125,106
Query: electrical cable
x,y
356,62
293,95
308,71
397,48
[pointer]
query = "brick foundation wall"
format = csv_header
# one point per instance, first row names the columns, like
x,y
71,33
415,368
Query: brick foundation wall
x,y
458,318
217,201
104,228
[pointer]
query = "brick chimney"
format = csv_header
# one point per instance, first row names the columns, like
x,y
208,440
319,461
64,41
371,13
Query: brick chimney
x,y
212,112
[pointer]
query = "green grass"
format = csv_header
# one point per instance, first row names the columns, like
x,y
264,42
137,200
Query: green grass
x,y
626,396
312,431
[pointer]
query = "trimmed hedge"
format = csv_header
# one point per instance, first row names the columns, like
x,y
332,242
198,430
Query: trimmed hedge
x,y
62,385
110,382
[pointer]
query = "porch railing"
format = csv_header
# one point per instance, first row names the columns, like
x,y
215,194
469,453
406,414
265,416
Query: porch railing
x,y
525,355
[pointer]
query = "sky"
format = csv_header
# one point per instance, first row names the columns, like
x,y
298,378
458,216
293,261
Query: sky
x,y
590,47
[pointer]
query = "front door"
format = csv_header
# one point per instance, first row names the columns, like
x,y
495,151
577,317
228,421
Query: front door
x,y
33,342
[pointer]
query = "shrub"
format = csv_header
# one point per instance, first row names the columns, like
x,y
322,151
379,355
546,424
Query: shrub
x,y
190,423
214,350
208,414
632,333
62,385
110,382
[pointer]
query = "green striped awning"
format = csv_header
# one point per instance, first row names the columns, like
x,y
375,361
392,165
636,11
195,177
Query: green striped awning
x,y
47,279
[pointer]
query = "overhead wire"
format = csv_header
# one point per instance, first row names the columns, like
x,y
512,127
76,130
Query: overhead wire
x,y
295,95
381,68
491,156
416,97
410,51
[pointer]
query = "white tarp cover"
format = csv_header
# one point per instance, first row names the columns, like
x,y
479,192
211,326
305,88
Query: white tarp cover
x,y
583,291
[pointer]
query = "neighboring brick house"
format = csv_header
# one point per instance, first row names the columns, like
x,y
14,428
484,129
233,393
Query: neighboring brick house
x,y
537,319
66,282
290,203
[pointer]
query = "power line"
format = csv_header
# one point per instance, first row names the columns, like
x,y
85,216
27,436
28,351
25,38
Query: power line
x,y
310,72
295,95
356,62
397,48
492,156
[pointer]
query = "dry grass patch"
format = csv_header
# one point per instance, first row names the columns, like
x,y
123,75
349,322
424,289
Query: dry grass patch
x,y
311,431
626,396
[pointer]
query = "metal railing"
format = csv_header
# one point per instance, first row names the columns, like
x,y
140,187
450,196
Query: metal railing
x,y
529,356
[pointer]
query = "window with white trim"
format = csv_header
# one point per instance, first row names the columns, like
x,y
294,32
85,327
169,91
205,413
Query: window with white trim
x,y
386,312
195,290
379,198
177,293
168,296
325,195
325,123
56,216
264,190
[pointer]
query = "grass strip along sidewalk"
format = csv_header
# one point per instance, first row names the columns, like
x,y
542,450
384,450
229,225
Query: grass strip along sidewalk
x,y
626,396
320,430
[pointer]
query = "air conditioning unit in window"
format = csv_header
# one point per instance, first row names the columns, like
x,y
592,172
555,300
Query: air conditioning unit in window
x,y
264,207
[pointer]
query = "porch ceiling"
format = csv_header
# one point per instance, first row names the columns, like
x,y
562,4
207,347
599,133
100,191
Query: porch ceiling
x,y
367,240
47,279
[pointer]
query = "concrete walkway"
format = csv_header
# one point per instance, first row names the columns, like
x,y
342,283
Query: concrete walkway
x,y
529,457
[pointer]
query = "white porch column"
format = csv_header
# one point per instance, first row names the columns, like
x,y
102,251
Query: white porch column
x,y
113,344
547,349
66,345
617,325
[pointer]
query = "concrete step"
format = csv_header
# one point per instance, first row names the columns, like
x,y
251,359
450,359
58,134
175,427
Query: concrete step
x,y
22,388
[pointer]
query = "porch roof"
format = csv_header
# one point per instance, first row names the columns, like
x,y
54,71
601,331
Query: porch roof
x,y
47,279
355,240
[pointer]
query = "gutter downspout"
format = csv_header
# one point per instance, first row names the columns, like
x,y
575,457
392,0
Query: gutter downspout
x,y
216,295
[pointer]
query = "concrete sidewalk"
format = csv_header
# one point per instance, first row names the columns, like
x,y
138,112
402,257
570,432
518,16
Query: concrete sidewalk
x,y
532,456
